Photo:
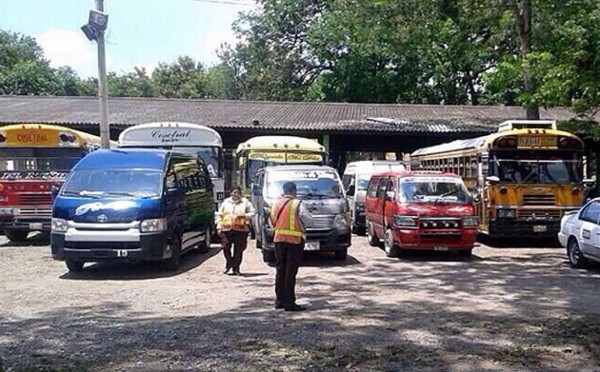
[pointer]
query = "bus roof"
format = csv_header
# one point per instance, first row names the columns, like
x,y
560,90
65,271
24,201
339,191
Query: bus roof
x,y
45,135
280,143
169,134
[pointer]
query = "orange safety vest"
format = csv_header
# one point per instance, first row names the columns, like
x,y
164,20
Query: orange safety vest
x,y
237,223
287,227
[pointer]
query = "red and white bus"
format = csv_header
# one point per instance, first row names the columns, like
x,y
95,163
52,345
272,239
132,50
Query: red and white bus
x,y
33,159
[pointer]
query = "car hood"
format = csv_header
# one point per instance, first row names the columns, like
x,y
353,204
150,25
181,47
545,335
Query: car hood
x,y
440,209
106,210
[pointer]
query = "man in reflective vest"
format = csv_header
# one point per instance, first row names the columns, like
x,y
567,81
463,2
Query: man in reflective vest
x,y
289,236
233,227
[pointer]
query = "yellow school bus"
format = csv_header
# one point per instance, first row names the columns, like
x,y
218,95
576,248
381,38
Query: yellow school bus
x,y
524,177
263,151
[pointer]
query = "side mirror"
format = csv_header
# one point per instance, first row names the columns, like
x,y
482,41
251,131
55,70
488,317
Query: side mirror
x,y
390,195
492,179
476,197
350,191
54,191
256,190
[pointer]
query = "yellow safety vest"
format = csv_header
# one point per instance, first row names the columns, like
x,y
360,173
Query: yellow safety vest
x,y
286,221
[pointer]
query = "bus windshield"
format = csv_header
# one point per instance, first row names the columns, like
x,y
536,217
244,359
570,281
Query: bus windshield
x,y
433,190
39,159
114,182
322,184
537,167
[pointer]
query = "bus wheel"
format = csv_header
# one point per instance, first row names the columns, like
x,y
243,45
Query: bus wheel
x,y
391,249
74,266
172,263
204,247
268,256
372,239
16,235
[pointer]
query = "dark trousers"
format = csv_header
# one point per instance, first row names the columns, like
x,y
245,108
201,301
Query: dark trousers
x,y
287,261
239,240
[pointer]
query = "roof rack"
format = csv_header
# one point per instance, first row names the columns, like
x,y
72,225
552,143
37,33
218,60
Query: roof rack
x,y
526,124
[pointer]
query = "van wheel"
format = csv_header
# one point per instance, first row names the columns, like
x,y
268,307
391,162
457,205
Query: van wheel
x,y
391,249
341,254
576,257
372,239
172,263
268,256
74,266
204,247
360,231
16,235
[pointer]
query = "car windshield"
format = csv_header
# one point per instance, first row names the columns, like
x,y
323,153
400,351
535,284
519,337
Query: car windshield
x,y
322,184
532,167
114,182
362,181
433,190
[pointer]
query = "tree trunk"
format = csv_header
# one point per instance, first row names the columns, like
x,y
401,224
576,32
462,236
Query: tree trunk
x,y
523,17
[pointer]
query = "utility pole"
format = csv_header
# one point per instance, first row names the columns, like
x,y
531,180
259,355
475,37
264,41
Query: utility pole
x,y
102,91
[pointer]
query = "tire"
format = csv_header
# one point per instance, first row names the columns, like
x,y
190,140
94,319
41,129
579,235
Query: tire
x,y
259,242
74,266
372,239
268,256
360,231
576,258
172,263
16,235
341,254
391,249
204,247
465,253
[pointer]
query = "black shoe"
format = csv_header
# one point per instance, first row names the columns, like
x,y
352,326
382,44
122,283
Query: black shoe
x,y
226,271
278,305
237,272
294,307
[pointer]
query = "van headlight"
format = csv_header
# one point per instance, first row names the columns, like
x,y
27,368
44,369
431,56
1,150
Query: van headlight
x,y
342,220
153,225
470,221
59,225
405,221
506,213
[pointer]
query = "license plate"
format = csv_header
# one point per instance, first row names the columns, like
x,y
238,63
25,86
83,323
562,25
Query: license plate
x,y
312,246
440,248
540,228
35,226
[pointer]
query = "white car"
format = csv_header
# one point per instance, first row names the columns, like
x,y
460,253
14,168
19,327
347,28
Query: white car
x,y
580,234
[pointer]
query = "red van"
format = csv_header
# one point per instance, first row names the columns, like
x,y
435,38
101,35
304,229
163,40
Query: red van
x,y
420,210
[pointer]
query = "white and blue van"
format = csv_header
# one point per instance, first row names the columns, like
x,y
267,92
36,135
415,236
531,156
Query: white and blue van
x,y
133,204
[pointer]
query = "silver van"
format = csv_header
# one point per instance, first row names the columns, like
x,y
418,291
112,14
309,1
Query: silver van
x,y
356,179
320,189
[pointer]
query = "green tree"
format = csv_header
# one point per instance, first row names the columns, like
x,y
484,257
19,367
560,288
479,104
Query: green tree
x,y
184,78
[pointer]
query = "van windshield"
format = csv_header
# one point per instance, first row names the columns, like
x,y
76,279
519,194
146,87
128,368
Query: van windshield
x,y
362,181
433,190
309,184
114,182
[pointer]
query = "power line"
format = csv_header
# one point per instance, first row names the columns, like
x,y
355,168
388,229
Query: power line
x,y
227,2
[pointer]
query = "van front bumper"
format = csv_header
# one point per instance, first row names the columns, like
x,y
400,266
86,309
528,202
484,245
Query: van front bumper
x,y
329,240
420,239
149,247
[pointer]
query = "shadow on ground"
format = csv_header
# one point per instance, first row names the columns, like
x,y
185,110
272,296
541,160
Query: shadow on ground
x,y
544,316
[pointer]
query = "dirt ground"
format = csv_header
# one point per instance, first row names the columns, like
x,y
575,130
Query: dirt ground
x,y
507,308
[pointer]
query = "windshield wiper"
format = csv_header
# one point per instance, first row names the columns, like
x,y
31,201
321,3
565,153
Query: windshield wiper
x,y
121,193
88,193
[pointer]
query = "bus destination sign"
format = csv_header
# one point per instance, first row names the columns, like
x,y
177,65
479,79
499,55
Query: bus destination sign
x,y
536,141
31,175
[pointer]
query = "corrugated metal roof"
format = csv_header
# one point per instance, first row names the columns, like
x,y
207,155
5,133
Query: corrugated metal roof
x,y
291,116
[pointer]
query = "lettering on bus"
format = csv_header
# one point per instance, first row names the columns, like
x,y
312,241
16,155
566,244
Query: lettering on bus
x,y
170,136
33,175
281,157
32,137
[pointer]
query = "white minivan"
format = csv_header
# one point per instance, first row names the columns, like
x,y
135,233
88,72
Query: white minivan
x,y
356,179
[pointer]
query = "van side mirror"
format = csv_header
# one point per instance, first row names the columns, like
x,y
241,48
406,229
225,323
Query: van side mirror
x,y
492,179
476,197
351,190
256,190
390,195
54,191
